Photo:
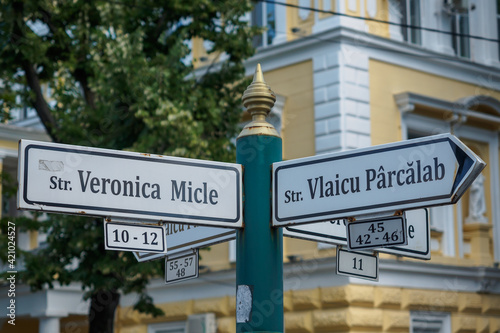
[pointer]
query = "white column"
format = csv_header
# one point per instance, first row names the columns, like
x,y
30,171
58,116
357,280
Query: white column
x,y
48,325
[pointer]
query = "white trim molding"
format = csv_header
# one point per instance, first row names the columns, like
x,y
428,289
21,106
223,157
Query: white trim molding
x,y
461,110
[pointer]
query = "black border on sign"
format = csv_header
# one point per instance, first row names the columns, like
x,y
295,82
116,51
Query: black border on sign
x,y
141,226
377,220
183,278
352,211
339,249
131,211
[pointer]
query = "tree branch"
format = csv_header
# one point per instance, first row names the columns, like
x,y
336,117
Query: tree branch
x,y
39,103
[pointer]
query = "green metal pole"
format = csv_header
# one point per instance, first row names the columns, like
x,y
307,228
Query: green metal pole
x,y
259,246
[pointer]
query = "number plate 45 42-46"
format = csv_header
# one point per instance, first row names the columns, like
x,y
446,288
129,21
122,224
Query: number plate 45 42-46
x,y
371,234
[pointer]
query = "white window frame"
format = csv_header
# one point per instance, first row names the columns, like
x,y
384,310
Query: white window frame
x,y
435,322
458,10
498,28
173,327
406,14
264,36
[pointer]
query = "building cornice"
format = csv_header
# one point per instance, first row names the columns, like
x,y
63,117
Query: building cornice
x,y
377,48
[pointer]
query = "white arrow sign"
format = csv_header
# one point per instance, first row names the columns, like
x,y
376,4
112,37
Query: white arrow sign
x,y
128,186
410,174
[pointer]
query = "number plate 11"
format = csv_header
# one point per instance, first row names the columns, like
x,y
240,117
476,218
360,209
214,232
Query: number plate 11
x,y
134,237
357,264
376,233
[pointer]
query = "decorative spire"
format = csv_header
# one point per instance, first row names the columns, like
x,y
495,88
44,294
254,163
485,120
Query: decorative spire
x,y
259,99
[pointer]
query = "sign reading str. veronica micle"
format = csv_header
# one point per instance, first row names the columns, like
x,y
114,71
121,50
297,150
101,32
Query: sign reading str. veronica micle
x,y
410,174
130,186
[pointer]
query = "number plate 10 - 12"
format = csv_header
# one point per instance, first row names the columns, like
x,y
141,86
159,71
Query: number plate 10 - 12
x,y
134,237
376,233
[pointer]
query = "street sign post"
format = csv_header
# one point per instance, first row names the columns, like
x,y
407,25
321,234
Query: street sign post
x,y
181,238
357,264
410,174
375,233
143,188
128,186
134,237
334,232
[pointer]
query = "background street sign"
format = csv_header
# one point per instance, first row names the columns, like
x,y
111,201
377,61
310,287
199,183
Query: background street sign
x,y
134,237
375,233
357,264
182,238
181,267
410,174
334,232
128,186
330,232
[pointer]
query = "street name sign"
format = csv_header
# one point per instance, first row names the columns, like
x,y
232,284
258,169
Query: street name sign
x,y
181,267
410,174
357,264
375,233
181,238
134,237
334,232
128,186
329,232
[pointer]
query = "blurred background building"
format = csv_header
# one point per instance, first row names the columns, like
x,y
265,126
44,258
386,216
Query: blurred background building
x,y
344,79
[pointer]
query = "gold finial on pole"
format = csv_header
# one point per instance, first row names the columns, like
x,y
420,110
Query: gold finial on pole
x,y
258,98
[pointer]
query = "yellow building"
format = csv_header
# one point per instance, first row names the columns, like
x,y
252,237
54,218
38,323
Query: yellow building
x,y
345,82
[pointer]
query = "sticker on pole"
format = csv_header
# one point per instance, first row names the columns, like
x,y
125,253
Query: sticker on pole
x,y
357,264
182,267
375,233
134,237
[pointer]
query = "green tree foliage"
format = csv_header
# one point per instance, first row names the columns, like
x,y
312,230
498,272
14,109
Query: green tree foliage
x,y
118,74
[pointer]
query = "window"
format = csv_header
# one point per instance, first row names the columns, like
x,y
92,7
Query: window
x,y
459,12
498,26
264,15
460,27
425,322
410,15
177,327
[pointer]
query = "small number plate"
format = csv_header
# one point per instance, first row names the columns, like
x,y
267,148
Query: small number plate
x,y
134,237
376,233
181,268
357,264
